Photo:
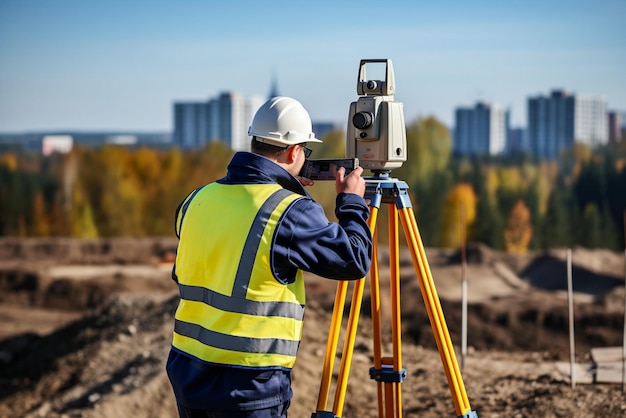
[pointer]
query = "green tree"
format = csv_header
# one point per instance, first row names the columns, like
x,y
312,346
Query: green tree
x,y
488,225
557,231
533,202
590,185
591,227
428,151
610,231
616,197
428,199
334,146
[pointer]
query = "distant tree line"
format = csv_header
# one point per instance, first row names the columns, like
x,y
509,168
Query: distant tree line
x,y
105,192
514,203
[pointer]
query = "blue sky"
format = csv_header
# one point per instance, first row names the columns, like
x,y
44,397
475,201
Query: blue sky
x,y
120,65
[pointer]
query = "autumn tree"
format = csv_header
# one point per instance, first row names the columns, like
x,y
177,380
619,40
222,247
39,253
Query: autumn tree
x,y
112,189
460,198
533,203
8,161
204,166
147,165
40,226
511,187
83,224
519,231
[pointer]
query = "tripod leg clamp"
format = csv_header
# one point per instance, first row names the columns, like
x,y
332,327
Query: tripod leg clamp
x,y
387,374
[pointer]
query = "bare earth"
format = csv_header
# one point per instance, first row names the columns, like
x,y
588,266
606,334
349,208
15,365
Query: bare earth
x,y
85,328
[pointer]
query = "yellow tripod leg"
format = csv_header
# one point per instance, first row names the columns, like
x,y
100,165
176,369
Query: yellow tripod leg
x,y
333,339
331,345
396,325
348,347
376,319
389,393
435,313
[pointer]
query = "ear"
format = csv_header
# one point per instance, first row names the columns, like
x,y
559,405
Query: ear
x,y
292,154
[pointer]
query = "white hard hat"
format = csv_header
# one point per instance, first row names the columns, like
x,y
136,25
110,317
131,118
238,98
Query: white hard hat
x,y
282,121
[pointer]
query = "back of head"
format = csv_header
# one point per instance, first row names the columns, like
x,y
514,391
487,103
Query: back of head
x,y
282,121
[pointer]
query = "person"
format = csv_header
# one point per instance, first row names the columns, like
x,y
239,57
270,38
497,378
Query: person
x,y
244,242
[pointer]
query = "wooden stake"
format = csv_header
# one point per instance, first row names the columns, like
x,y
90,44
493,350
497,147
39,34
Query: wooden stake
x,y
570,296
624,334
463,290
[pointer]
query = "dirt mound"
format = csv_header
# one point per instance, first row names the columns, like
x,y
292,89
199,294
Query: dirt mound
x,y
45,283
550,273
104,355
109,363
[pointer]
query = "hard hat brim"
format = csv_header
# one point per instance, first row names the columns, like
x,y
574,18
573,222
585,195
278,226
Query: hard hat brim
x,y
278,139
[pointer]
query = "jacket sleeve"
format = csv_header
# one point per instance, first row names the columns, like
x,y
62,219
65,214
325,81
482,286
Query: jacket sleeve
x,y
307,240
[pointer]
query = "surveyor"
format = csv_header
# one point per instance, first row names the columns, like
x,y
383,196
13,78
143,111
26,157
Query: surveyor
x,y
244,243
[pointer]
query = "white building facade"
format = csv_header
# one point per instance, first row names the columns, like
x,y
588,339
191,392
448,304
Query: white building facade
x,y
591,123
56,143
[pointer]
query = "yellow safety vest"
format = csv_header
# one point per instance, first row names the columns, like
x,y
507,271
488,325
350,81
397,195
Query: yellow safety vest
x,y
232,310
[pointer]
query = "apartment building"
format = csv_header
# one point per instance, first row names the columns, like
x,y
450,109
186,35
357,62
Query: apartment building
x,y
482,129
557,121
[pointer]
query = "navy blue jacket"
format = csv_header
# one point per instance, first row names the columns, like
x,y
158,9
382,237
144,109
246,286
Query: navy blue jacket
x,y
306,240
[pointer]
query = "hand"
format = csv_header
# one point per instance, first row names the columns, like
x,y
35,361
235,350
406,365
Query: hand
x,y
305,181
352,183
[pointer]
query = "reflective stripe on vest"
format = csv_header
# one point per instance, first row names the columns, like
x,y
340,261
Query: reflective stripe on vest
x,y
246,318
245,306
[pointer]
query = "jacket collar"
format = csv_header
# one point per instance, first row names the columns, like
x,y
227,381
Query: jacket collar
x,y
250,168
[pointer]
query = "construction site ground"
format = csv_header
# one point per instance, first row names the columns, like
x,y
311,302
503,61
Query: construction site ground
x,y
85,328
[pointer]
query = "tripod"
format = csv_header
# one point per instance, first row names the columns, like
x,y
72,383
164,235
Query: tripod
x,y
388,372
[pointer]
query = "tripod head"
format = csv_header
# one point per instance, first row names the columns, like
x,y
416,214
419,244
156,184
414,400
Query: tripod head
x,y
376,133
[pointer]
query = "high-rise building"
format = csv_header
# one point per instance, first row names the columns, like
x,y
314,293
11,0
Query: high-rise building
x,y
615,127
481,129
225,118
557,121
591,120
190,124
517,141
